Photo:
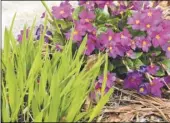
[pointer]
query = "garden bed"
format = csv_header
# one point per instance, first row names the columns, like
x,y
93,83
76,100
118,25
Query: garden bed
x,y
101,61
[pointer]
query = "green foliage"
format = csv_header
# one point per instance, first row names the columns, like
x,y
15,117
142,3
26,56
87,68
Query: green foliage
x,y
136,33
40,88
166,63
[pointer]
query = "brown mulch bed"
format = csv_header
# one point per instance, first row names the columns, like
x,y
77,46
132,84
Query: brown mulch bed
x,y
128,106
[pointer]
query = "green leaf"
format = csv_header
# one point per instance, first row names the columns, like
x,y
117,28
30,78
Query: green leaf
x,y
6,46
65,25
160,73
137,63
155,52
5,112
138,54
35,107
129,62
121,70
137,32
101,29
110,66
58,38
166,62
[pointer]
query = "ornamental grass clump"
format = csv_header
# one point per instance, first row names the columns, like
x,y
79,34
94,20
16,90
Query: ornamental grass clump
x,y
41,86
51,73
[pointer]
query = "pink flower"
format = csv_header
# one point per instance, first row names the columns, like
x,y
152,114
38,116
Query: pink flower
x,y
143,43
152,69
86,16
63,11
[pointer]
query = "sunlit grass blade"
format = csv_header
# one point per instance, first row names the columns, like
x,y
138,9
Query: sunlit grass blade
x,y
6,47
100,105
105,75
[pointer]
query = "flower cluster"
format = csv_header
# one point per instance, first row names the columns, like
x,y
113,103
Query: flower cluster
x,y
119,39
116,9
39,32
84,26
143,81
117,44
158,29
122,43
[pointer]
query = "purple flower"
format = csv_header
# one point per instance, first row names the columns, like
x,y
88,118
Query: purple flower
x,y
87,4
158,37
98,85
133,44
150,14
120,8
80,27
88,27
147,25
78,33
86,16
39,32
117,50
166,48
43,15
133,80
143,69
101,4
91,41
166,29
116,10
167,79
139,5
152,69
67,35
143,43
144,89
124,37
81,30
150,22
111,78
155,87
135,21
131,54
165,24
63,11
107,37
59,47
20,36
